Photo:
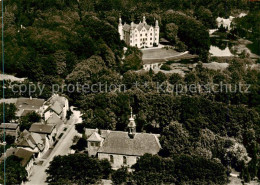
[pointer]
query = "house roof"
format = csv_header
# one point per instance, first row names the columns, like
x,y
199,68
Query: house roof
x,y
26,155
22,153
32,140
55,120
120,143
57,107
32,104
25,112
95,137
41,128
9,126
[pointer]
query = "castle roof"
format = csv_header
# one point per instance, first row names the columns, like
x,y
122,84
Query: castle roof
x,y
127,27
118,142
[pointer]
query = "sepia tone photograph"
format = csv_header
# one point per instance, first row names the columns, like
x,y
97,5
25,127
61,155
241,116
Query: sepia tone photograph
x,y
130,92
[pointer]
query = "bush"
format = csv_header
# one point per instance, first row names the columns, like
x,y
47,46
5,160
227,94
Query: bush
x,y
165,67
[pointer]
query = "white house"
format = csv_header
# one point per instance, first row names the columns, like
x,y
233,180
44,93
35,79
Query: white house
x,y
140,35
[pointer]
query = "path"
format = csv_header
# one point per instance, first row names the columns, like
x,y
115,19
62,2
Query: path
x,y
38,176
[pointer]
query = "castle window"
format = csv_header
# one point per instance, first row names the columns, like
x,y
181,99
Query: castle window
x,y
146,34
151,39
151,34
111,158
141,35
92,144
97,143
150,43
124,160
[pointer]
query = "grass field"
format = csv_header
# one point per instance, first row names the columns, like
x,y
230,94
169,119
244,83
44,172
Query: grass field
x,y
159,53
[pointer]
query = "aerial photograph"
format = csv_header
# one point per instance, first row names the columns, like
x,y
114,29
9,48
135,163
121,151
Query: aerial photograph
x,y
130,92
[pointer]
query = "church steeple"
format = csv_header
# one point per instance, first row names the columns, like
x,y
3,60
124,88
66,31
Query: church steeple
x,y
131,125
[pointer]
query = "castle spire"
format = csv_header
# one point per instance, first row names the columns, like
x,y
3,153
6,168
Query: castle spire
x,y
144,21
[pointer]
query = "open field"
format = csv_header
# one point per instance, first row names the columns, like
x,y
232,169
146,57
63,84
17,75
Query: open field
x,y
160,55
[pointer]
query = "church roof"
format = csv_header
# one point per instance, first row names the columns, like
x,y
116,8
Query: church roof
x,y
118,142
95,137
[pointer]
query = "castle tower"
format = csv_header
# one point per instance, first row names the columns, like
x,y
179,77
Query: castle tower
x,y
131,125
156,33
120,29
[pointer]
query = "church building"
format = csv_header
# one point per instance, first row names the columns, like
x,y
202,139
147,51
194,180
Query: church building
x,y
121,148
140,35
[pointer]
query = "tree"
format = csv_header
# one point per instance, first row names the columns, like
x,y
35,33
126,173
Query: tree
x,y
174,139
15,172
120,176
133,59
80,145
76,168
9,112
27,120
171,31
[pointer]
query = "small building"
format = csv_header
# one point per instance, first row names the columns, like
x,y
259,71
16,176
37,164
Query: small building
x,y
121,148
11,129
48,129
139,35
27,105
56,104
37,143
26,156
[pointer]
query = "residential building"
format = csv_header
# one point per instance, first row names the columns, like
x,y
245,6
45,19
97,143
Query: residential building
x,y
11,129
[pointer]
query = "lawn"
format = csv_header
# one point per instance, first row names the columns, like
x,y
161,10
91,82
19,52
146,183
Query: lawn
x,y
159,53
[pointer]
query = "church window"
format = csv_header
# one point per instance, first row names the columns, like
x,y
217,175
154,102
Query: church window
x,y
124,160
111,158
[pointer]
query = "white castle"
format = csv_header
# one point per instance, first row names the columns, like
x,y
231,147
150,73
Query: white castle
x,y
140,35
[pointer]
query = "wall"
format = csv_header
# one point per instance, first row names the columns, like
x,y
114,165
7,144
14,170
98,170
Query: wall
x,y
118,160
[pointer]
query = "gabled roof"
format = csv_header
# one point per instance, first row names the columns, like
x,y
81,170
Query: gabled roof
x,y
22,153
95,137
9,126
127,27
55,120
31,140
120,143
41,128
25,112
32,104
57,107
26,155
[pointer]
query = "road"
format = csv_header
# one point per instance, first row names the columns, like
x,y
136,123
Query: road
x,y
38,176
